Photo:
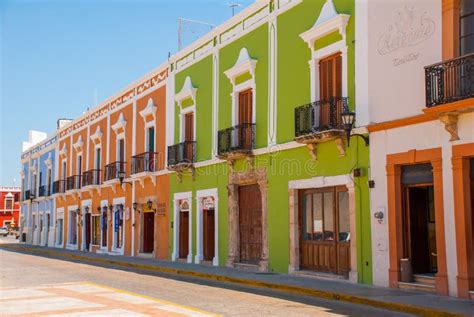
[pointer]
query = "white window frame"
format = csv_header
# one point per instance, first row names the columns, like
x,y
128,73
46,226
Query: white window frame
x,y
177,198
69,245
59,216
200,195
183,113
118,201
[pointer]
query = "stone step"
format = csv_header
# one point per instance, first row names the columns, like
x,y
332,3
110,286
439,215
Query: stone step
x,y
424,279
417,287
471,293
246,267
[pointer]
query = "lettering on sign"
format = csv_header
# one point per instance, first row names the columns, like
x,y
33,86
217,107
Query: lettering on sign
x,y
410,29
161,208
405,59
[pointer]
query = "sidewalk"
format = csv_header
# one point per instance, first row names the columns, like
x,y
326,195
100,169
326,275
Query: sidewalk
x,y
419,303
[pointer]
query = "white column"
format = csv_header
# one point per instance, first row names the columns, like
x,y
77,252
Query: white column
x,y
215,260
314,79
174,255
215,101
272,81
190,226
199,231
344,71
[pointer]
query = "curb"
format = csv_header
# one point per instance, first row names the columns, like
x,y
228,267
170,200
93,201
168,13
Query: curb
x,y
404,308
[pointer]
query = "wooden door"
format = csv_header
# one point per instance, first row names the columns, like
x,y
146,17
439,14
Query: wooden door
x,y
183,234
104,229
330,86
419,228
188,136
87,222
244,130
208,219
148,232
325,230
250,223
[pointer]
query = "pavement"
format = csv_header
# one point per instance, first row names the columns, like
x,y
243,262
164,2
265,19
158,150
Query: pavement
x,y
277,285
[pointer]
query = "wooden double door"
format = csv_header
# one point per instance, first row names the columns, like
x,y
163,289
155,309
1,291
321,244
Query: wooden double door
x,y
183,234
250,224
324,223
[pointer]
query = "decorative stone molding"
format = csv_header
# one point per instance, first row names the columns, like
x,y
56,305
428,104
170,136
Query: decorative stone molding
x,y
450,122
328,22
49,161
244,64
78,145
119,126
319,182
188,91
96,138
252,176
149,111
63,151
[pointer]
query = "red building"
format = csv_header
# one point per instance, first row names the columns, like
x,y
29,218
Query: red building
x,y
9,206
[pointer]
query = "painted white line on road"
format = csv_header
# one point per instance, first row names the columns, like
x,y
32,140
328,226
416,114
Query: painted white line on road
x,y
7,294
29,306
127,298
102,313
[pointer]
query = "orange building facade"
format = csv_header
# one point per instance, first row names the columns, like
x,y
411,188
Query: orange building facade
x,y
111,192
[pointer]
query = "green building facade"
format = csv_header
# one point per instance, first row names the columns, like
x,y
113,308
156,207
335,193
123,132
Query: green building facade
x,y
264,178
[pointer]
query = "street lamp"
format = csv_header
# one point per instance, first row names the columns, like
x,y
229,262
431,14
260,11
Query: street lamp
x,y
149,204
121,177
348,119
135,207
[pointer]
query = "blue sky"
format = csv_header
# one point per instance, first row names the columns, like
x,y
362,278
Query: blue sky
x,y
54,55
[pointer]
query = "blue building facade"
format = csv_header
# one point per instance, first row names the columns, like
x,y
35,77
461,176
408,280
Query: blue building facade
x,y
38,223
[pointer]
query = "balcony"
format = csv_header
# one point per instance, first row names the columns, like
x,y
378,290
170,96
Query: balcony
x,y
44,190
182,155
113,170
59,187
144,163
29,194
73,182
91,178
449,81
237,141
320,122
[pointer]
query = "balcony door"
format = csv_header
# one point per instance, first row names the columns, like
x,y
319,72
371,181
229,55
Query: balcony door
x,y
188,136
150,140
243,132
330,87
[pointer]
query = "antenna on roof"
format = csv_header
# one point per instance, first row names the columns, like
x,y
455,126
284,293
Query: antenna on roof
x,y
233,6
193,29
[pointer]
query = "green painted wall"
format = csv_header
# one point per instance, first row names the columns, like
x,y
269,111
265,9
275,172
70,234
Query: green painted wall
x,y
293,90
201,77
256,43
293,84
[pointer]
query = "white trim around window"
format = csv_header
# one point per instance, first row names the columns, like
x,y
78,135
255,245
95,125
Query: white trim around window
x,y
69,245
176,207
182,115
317,56
200,196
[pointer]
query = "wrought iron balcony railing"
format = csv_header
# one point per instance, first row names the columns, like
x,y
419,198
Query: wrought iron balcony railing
x,y
73,182
144,162
29,194
113,170
319,116
59,186
182,153
44,190
91,177
239,138
450,81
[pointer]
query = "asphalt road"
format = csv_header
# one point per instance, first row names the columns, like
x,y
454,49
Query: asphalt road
x,y
32,285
